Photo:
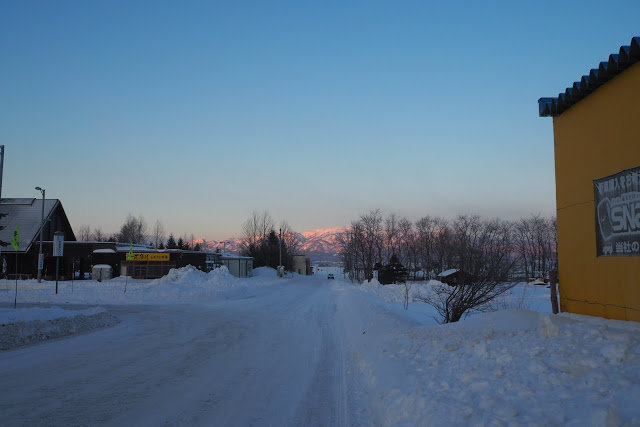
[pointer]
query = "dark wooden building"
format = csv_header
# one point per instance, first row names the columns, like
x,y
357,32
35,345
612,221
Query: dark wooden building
x,y
453,277
79,257
26,215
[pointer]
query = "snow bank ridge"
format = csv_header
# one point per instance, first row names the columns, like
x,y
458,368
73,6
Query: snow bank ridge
x,y
21,333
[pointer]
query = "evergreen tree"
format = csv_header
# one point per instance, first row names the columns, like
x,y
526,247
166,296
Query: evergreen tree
x,y
161,245
394,272
181,243
271,249
267,252
197,247
171,243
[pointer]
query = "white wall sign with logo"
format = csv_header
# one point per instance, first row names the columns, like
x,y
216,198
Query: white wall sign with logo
x,y
617,201
58,243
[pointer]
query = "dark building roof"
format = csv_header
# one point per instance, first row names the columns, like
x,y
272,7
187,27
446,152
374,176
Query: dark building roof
x,y
618,62
26,213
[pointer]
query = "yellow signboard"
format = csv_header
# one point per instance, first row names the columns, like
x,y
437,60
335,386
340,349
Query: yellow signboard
x,y
147,256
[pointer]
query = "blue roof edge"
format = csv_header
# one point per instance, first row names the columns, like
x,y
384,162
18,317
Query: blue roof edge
x,y
607,70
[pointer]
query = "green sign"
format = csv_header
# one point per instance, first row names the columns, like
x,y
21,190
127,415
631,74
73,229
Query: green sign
x,y
16,240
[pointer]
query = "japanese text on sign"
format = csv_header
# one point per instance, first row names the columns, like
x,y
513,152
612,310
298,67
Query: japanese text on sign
x,y
147,256
617,202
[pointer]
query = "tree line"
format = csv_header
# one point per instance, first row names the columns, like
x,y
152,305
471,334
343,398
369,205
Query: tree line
x,y
262,239
267,243
135,230
485,255
431,245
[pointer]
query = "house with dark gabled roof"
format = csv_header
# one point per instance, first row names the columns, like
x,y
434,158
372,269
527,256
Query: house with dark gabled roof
x,y
26,214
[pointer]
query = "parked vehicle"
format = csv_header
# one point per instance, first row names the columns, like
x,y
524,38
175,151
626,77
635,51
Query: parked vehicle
x,y
330,276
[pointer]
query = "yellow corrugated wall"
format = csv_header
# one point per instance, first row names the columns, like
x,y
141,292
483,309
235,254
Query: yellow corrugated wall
x,y
595,138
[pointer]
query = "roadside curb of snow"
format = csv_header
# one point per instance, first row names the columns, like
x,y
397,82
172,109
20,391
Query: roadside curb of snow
x,y
20,334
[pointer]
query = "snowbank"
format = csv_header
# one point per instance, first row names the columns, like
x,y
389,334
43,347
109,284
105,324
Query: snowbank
x,y
24,326
13,315
505,367
521,296
184,285
264,272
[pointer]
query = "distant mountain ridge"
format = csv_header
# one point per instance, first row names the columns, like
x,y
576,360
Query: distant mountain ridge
x,y
321,244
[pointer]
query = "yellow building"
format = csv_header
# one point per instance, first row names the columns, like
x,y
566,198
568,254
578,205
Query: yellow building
x,y
596,130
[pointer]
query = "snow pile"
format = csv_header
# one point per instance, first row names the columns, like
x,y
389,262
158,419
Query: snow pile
x,y
395,292
521,296
189,284
24,326
265,272
183,285
506,367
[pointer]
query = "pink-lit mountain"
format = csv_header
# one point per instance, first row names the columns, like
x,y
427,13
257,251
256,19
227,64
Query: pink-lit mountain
x,y
320,244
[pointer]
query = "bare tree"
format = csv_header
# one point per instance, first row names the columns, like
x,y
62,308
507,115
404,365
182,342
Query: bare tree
x,y
84,233
266,224
442,245
390,236
425,241
133,230
553,242
290,238
97,235
405,244
352,251
157,233
256,228
482,251
347,252
372,241
535,240
363,246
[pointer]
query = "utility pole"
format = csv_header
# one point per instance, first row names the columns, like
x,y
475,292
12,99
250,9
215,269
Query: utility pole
x,y
280,268
553,279
280,248
40,257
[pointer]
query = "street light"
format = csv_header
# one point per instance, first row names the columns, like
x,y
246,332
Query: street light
x,y
40,257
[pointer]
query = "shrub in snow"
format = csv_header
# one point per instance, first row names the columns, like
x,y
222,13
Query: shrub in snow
x,y
483,250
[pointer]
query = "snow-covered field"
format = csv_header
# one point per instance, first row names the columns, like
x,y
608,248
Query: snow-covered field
x,y
202,349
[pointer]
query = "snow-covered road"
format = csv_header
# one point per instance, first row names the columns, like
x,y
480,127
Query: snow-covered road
x,y
198,348
275,358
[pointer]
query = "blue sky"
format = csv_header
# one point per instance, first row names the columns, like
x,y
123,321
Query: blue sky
x,y
197,113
